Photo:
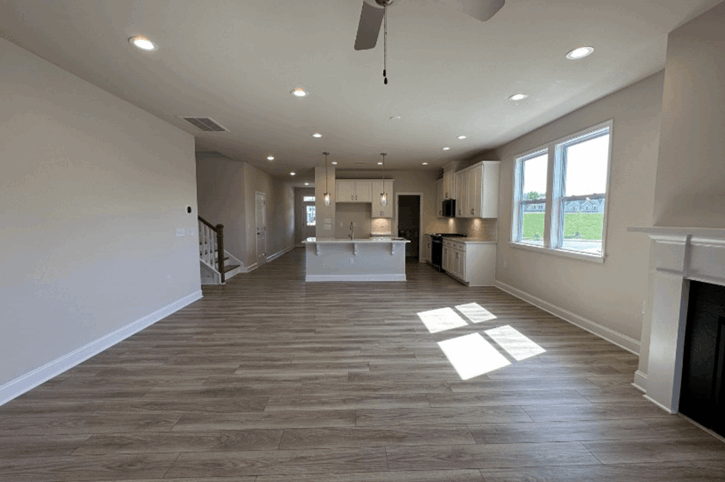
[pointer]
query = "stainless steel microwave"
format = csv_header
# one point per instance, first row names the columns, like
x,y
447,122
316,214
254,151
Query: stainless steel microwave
x,y
449,208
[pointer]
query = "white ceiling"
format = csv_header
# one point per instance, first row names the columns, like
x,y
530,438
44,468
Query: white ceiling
x,y
237,61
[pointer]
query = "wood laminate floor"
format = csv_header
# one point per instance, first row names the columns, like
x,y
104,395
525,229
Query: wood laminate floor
x,y
271,379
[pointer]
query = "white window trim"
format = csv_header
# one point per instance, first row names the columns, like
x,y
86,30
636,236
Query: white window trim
x,y
553,197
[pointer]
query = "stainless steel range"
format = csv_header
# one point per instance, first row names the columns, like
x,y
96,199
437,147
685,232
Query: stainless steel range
x,y
436,249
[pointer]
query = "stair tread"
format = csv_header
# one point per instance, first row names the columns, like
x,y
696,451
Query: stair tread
x,y
230,267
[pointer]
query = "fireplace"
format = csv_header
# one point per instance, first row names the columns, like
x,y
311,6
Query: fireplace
x,y
684,258
701,394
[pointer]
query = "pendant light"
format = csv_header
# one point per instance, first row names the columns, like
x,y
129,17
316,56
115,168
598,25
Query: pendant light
x,y
327,192
383,195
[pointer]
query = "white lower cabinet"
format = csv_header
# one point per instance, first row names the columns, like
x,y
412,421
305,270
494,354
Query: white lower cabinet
x,y
427,248
472,262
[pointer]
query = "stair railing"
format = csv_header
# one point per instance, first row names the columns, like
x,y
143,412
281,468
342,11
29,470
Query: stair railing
x,y
211,245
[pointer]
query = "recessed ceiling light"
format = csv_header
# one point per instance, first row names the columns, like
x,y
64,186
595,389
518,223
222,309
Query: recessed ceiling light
x,y
334,163
395,117
317,134
299,92
380,163
292,173
307,184
580,53
270,158
425,163
141,42
518,96
460,137
446,148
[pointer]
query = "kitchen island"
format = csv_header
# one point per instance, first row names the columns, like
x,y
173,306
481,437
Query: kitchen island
x,y
369,259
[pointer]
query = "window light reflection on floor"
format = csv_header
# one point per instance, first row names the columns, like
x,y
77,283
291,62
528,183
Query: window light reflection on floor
x,y
441,320
516,344
472,356
476,313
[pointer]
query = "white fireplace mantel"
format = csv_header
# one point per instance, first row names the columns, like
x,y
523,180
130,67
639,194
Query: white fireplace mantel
x,y
682,255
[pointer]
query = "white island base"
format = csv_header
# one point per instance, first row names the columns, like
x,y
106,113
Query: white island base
x,y
371,259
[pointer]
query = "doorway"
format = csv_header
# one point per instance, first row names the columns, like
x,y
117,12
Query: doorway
x,y
409,222
260,220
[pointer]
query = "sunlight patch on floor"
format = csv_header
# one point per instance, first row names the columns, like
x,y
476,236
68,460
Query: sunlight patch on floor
x,y
476,313
516,344
472,356
441,320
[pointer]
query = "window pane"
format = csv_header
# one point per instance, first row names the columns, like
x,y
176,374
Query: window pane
x,y
310,215
584,225
586,167
308,199
532,226
535,177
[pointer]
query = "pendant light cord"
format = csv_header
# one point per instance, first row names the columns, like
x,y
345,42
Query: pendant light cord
x,y
385,44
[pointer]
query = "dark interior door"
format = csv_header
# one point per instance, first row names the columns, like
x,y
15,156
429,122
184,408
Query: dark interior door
x,y
701,396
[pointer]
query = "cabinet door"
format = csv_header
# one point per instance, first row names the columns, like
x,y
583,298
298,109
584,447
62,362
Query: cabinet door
x,y
489,189
439,198
446,265
345,191
449,185
462,265
363,191
461,197
473,191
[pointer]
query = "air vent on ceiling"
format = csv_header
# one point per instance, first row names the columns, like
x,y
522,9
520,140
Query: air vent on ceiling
x,y
207,124
359,162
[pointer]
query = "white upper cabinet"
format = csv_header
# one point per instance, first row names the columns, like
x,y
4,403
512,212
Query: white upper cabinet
x,y
345,191
439,198
350,191
380,211
461,194
449,184
477,190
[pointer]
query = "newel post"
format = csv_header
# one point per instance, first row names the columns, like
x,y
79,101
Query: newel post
x,y
220,252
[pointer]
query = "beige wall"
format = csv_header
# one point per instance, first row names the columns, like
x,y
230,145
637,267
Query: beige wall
x,y
324,179
226,191
609,294
690,188
220,193
92,191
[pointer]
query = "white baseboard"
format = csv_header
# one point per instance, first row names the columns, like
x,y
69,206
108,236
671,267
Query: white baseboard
x,y
24,383
355,277
660,405
280,253
622,341
250,268
640,381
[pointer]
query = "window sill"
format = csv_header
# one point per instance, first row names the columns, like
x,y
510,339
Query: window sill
x,y
559,252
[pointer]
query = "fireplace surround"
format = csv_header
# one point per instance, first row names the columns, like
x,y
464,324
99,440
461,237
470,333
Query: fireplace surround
x,y
681,255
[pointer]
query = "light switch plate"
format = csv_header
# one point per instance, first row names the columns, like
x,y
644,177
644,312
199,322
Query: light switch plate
x,y
180,232
190,232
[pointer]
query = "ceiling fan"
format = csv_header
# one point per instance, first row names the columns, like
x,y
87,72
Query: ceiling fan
x,y
371,17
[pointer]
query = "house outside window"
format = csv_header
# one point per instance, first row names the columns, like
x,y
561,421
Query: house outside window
x,y
572,220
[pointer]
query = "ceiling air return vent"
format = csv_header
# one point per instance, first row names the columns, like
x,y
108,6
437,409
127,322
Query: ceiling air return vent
x,y
207,124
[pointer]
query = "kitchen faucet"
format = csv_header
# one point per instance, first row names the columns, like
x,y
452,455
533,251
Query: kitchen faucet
x,y
352,232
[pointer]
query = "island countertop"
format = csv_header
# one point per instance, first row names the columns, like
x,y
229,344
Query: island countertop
x,y
374,239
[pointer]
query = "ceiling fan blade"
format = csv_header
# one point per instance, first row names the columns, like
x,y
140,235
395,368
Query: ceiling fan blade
x,y
369,29
481,10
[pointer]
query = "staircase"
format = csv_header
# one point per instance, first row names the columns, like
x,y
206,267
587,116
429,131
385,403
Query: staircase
x,y
217,264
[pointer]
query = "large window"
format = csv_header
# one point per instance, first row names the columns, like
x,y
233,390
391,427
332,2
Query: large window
x,y
575,170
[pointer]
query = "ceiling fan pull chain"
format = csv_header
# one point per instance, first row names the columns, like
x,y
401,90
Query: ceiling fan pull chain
x,y
385,44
